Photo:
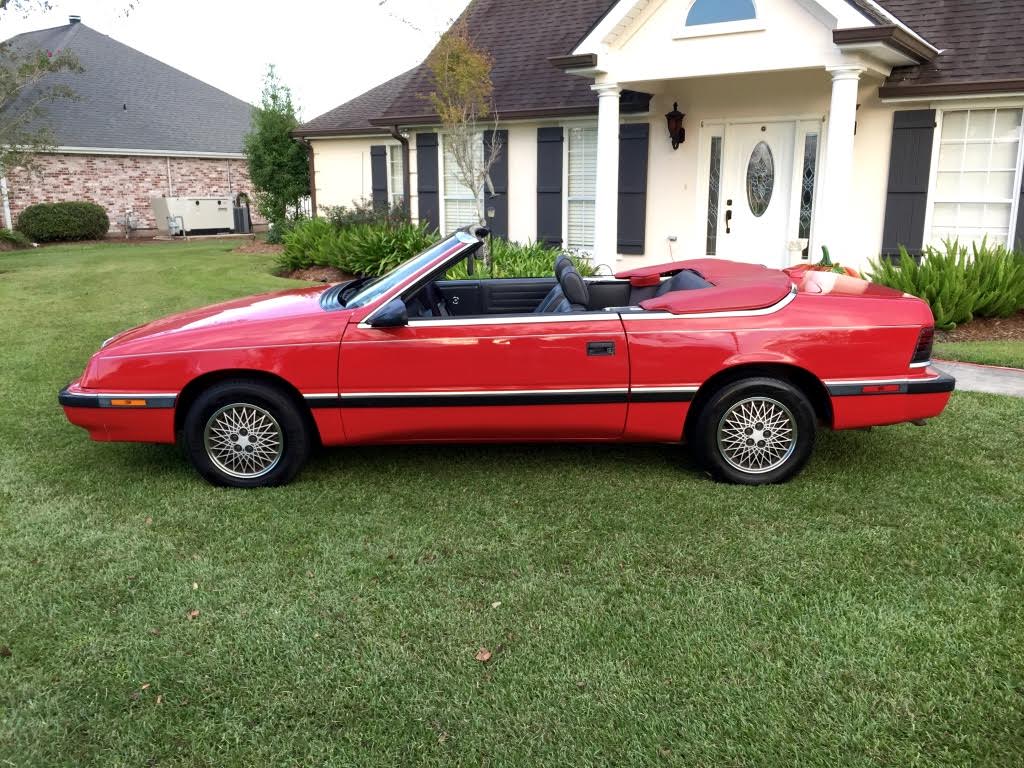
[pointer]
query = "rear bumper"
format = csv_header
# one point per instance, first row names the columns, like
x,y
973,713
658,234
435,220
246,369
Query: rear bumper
x,y
876,403
116,417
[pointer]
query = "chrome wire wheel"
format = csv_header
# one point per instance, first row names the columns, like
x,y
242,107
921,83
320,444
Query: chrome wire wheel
x,y
243,441
757,435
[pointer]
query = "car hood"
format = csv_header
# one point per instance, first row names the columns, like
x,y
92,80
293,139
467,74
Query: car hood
x,y
284,317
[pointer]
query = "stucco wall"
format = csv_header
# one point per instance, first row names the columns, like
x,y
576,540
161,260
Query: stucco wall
x,y
126,183
342,169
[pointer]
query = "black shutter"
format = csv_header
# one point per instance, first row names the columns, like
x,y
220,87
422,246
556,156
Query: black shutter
x,y
910,166
379,175
549,186
497,202
633,143
426,178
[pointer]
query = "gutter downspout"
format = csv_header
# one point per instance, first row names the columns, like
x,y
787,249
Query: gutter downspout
x,y
406,172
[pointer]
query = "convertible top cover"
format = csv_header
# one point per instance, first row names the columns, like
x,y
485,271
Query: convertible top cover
x,y
734,287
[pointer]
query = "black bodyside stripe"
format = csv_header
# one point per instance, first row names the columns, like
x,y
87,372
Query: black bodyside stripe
x,y
497,399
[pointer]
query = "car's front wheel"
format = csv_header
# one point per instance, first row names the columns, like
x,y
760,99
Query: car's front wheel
x,y
246,434
756,431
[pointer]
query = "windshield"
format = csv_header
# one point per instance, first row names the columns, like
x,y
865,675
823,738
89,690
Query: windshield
x,y
367,293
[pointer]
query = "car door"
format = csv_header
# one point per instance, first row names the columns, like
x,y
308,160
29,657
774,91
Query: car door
x,y
522,377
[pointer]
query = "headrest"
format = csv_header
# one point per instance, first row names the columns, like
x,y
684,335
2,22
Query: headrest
x,y
562,263
574,287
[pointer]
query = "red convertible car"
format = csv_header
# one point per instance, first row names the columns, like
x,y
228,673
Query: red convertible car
x,y
741,362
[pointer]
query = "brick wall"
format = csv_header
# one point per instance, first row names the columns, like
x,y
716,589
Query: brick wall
x,y
121,184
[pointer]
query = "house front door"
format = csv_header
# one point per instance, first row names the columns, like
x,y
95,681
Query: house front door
x,y
756,192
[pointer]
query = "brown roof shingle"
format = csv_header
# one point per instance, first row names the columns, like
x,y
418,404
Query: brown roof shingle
x,y
353,117
980,40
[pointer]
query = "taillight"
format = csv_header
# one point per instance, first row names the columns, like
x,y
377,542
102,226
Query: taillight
x,y
923,351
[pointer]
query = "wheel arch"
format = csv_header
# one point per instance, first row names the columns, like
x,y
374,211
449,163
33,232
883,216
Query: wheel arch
x,y
799,377
201,383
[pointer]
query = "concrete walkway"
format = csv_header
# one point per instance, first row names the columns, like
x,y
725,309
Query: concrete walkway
x,y
984,378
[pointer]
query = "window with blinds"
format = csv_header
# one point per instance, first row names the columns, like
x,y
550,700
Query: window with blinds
x,y
582,187
395,173
460,203
977,179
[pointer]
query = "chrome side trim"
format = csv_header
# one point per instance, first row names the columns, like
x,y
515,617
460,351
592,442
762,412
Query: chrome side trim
x,y
479,392
596,317
921,365
689,389
777,307
877,382
126,396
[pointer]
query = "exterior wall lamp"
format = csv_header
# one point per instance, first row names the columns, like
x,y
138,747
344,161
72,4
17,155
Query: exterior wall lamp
x,y
676,131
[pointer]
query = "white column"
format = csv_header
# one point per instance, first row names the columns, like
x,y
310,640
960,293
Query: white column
x,y
606,205
836,193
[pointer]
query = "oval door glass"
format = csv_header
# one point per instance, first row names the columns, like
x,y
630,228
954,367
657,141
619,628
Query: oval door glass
x,y
760,179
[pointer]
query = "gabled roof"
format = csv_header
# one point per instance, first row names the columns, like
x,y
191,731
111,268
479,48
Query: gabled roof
x,y
353,117
128,100
980,42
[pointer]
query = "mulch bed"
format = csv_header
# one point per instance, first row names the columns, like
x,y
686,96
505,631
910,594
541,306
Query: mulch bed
x,y
259,247
987,329
318,275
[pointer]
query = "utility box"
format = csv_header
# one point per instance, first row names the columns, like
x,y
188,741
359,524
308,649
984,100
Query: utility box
x,y
197,215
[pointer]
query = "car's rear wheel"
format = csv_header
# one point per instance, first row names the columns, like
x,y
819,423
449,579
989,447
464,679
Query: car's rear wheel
x,y
246,434
756,431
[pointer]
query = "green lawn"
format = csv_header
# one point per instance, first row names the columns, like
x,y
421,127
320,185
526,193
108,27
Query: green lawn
x,y
869,614
1005,353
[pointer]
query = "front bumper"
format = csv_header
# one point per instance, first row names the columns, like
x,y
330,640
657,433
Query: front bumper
x,y
120,417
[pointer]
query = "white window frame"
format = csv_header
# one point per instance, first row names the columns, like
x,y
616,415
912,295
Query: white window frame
x,y
719,28
443,192
566,127
395,195
940,112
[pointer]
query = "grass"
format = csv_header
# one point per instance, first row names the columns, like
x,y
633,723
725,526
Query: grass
x,y
1009,353
869,614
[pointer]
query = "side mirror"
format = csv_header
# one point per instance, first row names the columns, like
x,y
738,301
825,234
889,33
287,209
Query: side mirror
x,y
394,314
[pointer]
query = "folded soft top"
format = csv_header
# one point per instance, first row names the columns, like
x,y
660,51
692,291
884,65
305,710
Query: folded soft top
x,y
735,287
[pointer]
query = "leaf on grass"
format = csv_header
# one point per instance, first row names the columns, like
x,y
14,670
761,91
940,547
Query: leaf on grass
x,y
144,686
483,656
496,604
159,699
443,737
193,614
149,521
195,585
135,696
154,631
5,651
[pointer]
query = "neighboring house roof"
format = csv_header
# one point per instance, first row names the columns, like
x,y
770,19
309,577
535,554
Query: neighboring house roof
x,y
979,40
128,100
353,117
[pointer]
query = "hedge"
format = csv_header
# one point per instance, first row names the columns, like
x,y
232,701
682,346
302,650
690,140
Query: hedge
x,y
49,222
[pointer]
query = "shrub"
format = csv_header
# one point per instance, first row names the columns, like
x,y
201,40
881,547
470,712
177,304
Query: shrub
x,y
509,259
49,222
13,239
364,212
959,284
360,249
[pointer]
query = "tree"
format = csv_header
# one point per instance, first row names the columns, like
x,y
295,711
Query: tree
x,y
463,99
25,89
278,165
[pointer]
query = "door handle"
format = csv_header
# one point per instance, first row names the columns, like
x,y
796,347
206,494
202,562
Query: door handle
x,y
728,220
600,348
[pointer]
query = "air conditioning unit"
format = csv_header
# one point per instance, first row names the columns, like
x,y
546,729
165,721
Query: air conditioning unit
x,y
194,215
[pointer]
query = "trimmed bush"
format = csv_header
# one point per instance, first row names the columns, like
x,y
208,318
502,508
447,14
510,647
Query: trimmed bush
x,y
959,284
13,239
50,222
364,212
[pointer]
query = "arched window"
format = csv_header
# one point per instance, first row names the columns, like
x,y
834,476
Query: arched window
x,y
720,11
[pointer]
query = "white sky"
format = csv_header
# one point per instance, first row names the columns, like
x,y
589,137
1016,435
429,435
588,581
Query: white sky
x,y
326,51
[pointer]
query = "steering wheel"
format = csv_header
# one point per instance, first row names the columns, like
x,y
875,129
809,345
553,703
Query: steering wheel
x,y
435,299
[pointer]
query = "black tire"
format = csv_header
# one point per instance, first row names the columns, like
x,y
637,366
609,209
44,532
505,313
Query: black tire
x,y
281,440
736,451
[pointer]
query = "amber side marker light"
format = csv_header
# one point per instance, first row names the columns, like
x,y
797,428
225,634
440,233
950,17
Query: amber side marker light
x,y
128,403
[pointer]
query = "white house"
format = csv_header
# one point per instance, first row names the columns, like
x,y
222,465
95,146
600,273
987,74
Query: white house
x,y
855,124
